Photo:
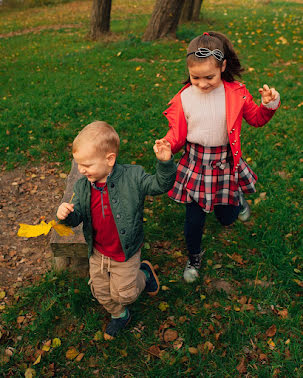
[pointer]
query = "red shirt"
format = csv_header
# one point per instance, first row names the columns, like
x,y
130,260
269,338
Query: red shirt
x,y
106,237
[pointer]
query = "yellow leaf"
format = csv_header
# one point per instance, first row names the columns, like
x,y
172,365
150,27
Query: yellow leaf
x,y
46,348
165,288
123,353
271,344
138,68
202,297
29,373
98,336
56,342
29,231
72,353
37,360
163,306
2,294
61,229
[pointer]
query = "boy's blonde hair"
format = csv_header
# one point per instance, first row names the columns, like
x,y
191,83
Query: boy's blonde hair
x,y
101,135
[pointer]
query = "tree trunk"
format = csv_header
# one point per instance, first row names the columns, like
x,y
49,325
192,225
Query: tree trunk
x,y
164,20
100,18
187,11
196,9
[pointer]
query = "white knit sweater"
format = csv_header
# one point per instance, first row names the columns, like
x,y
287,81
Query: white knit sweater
x,y
205,115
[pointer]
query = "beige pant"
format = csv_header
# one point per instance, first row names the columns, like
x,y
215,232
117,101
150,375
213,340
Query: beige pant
x,y
115,284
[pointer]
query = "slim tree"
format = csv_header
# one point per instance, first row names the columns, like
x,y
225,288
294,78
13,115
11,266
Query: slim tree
x,y
164,20
100,18
191,10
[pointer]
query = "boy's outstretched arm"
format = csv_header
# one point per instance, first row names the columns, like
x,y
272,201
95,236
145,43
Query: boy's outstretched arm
x,y
162,149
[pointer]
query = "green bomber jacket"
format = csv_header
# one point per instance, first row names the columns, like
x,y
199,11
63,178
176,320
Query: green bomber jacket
x,y
127,187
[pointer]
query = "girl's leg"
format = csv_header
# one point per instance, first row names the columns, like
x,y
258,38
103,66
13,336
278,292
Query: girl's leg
x,y
226,214
193,230
193,227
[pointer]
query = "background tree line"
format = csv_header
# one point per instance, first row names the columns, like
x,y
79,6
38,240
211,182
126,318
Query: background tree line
x,y
163,22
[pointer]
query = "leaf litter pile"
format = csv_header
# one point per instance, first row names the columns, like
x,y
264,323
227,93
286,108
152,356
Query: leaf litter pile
x,y
26,196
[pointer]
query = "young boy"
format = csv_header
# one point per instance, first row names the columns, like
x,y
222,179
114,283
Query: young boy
x,y
109,200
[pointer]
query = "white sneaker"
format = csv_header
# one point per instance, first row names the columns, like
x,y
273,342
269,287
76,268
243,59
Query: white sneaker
x,y
244,214
192,266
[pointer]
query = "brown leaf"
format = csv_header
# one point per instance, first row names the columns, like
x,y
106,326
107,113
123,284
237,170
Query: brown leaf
x,y
193,350
170,335
283,313
79,357
262,357
271,331
242,366
154,350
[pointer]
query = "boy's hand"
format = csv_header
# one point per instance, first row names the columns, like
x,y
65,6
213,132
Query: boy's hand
x,y
162,149
64,209
268,94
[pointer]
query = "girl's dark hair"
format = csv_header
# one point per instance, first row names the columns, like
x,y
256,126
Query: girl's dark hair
x,y
214,40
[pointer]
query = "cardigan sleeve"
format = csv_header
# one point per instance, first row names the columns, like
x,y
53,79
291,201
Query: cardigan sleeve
x,y
255,115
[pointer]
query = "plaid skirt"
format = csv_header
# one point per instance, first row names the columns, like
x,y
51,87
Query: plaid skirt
x,y
205,175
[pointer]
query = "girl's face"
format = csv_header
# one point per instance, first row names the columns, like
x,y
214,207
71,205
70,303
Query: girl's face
x,y
206,75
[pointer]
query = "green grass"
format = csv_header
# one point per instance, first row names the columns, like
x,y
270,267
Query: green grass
x,y
55,82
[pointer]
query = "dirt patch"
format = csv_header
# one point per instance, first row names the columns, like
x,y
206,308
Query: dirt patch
x,y
26,196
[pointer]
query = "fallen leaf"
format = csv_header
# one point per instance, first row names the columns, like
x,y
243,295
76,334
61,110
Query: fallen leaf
x,y
178,344
193,350
29,373
242,366
170,335
37,360
283,313
154,350
271,331
56,342
79,357
163,306
71,353
2,294
271,344
98,336
20,319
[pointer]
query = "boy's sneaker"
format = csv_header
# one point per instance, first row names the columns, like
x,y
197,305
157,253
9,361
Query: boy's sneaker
x,y
152,283
244,213
192,266
116,325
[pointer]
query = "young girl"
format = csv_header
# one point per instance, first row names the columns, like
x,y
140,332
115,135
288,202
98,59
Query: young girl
x,y
206,116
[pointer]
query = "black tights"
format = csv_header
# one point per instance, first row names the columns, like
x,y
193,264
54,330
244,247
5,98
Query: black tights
x,y
195,220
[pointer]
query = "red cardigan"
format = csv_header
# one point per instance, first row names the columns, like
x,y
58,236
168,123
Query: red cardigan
x,y
239,105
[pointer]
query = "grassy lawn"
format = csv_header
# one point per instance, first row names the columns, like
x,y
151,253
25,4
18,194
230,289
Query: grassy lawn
x,y
53,83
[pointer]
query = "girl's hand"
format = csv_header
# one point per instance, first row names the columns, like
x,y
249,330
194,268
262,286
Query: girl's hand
x,y
162,149
64,209
268,94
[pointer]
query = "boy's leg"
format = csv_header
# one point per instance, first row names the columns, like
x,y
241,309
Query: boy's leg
x,y
100,284
193,230
127,281
226,214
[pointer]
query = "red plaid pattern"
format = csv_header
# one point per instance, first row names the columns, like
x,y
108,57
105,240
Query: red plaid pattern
x,y
205,175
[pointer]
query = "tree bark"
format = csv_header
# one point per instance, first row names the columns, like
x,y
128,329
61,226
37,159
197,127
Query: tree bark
x,y
187,11
196,9
100,18
164,20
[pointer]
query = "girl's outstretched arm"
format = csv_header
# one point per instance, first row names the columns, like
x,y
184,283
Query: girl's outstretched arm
x,y
268,94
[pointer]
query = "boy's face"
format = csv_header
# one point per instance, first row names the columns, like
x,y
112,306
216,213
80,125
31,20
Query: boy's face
x,y
93,165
